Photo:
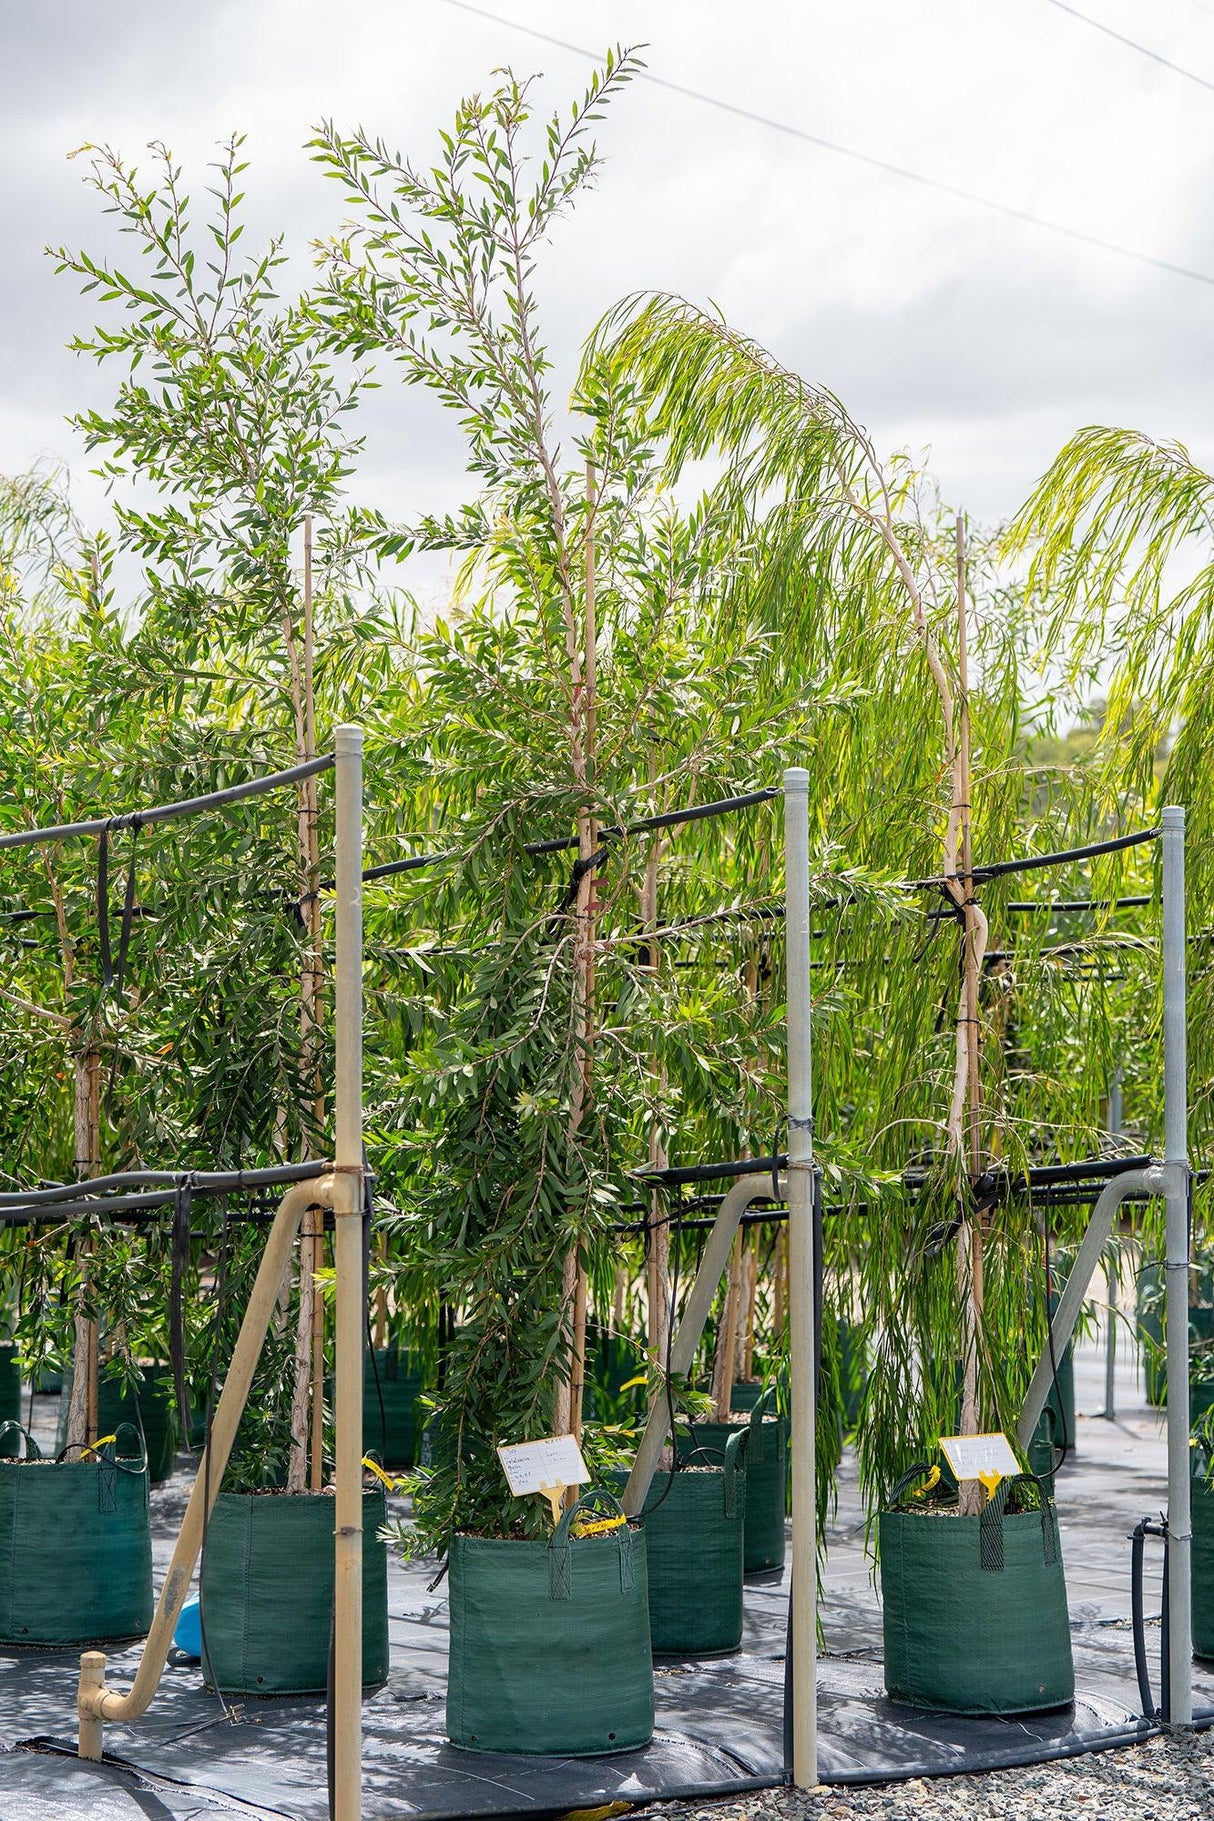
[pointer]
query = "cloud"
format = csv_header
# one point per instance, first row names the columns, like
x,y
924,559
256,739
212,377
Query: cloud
x,y
938,323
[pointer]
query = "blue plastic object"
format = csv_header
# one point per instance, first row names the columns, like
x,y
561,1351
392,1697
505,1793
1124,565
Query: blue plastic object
x,y
188,1635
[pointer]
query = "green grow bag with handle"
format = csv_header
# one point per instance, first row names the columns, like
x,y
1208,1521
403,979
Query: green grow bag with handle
x,y
10,1395
766,1475
76,1545
149,1406
393,1377
549,1644
975,1610
267,1592
694,1524
1202,1594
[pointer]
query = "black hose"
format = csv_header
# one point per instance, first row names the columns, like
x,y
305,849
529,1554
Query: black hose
x,y
1144,1528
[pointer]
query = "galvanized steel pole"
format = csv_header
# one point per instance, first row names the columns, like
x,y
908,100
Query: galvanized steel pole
x,y
804,1640
1176,1161
348,1259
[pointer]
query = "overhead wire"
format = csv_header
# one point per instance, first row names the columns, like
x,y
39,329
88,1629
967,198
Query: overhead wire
x,y
1144,50
870,159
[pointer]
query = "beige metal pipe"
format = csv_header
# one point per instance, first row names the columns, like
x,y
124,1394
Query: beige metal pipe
x,y
95,1702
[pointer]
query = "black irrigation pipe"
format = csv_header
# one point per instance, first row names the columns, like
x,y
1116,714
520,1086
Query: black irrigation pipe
x,y
998,869
212,1182
170,812
564,844
1024,905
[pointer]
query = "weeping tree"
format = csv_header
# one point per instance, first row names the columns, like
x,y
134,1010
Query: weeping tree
x,y
860,578
1120,533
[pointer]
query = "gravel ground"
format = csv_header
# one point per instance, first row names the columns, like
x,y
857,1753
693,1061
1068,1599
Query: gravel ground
x,y
1162,1780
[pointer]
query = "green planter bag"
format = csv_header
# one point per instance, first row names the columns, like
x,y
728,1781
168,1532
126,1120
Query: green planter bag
x,y
1150,1335
10,1395
267,1592
766,1474
694,1524
394,1379
1202,1595
550,1641
76,1546
975,1610
148,1406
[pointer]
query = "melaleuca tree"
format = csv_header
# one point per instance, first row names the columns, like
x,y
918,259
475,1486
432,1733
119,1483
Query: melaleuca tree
x,y
226,451
571,692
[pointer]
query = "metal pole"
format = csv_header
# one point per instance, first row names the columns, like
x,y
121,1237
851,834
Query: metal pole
x,y
348,1259
1175,1083
804,1640
1110,1347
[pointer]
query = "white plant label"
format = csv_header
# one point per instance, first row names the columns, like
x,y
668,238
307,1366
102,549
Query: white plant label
x,y
543,1466
980,1457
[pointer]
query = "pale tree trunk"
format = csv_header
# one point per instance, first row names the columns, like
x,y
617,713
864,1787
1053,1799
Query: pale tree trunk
x,y
307,1403
969,1239
748,1320
727,1336
657,1273
86,1122
583,667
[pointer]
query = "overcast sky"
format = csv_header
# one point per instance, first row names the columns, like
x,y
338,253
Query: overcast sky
x,y
941,325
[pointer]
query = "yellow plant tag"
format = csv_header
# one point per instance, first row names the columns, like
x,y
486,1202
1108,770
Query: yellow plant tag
x,y
991,1481
933,1479
103,1441
597,1526
390,1484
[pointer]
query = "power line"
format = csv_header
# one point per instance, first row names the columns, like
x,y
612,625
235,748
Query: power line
x,y
1132,44
846,151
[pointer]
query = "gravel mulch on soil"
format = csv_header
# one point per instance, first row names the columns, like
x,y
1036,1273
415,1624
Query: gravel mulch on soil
x,y
1161,1780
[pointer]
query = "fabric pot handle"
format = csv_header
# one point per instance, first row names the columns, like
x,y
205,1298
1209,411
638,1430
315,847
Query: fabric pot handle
x,y
990,1526
32,1450
560,1578
765,1405
735,1448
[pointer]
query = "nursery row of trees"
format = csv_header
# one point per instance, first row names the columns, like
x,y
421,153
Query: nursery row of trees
x,y
624,640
